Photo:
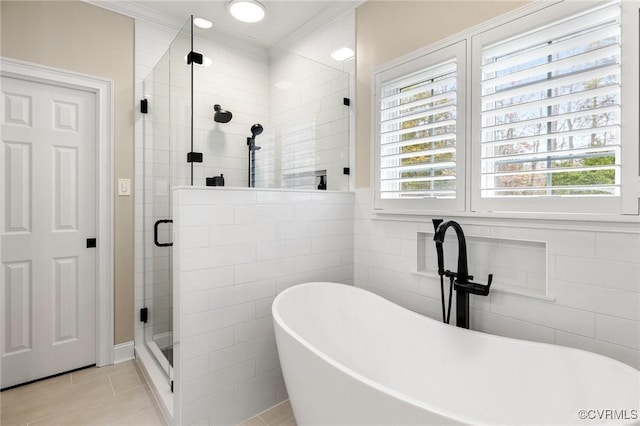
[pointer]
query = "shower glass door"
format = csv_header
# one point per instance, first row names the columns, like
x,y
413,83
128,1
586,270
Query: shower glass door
x,y
167,132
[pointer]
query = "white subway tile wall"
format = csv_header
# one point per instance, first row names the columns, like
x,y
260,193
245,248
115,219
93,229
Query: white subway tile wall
x,y
310,135
592,276
237,80
259,242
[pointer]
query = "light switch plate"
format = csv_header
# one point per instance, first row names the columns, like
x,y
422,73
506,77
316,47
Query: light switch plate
x,y
124,186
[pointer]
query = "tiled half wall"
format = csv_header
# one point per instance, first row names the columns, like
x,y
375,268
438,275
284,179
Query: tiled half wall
x,y
235,250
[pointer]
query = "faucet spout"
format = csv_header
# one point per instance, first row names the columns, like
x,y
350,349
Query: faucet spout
x,y
462,274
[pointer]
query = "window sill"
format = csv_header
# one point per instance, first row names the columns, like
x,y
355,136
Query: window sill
x,y
626,223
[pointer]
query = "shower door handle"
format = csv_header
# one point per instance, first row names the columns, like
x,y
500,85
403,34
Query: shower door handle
x,y
155,233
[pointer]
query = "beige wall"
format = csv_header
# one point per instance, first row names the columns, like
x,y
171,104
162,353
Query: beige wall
x,y
80,37
388,29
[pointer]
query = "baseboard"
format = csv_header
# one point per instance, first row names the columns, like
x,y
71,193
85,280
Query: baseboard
x,y
123,352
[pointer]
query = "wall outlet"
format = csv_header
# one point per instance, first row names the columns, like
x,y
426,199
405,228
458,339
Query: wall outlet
x,y
124,186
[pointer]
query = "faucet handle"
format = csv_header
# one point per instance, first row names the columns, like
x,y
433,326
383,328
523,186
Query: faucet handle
x,y
489,281
475,288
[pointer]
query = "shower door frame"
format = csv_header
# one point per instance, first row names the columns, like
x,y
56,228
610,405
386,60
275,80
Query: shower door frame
x,y
173,60
148,340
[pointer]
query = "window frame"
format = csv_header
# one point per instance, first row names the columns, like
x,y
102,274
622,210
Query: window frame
x,y
608,205
457,51
468,167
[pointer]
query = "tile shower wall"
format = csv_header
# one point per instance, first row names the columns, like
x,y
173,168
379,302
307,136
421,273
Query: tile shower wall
x,y
237,80
236,76
310,126
315,45
235,250
592,278
306,126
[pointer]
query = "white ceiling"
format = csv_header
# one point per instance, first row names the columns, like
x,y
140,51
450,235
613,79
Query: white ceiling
x,y
282,17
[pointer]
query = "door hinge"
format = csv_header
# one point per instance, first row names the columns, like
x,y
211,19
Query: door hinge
x,y
346,101
172,386
143,315
91,242
144,106
194,157
194,57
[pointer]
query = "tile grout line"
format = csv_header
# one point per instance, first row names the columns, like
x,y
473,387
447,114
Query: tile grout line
x,y
270,408
86,403
135,414
90,402
259,415
267,423
78,406
261,419
111,384
63,411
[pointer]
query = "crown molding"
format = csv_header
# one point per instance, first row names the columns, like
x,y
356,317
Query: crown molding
x,y
139,11
321,20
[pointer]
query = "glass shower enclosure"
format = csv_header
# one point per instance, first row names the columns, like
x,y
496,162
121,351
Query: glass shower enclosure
x,y
301,105
167,138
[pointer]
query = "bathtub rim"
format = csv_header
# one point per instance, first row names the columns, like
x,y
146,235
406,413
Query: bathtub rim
x,y
385,389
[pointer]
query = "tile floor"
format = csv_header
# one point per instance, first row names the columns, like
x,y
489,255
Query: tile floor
x,y
116,395
278,415
113,395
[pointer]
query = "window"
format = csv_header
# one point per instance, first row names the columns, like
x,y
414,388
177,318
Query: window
x,y
545,122
550,110
420,111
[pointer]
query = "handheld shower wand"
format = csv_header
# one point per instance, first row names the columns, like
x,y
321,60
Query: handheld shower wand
x,y
256,130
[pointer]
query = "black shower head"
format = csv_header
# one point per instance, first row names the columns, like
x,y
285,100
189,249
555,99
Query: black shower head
x,y
256,129
221,116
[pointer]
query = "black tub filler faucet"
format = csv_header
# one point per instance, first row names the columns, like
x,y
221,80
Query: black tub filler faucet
x,y
459,280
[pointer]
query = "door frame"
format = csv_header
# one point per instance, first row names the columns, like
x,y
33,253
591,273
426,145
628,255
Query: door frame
x,y
103,89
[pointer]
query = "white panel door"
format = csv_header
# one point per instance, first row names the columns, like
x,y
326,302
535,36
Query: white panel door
x,y
48,184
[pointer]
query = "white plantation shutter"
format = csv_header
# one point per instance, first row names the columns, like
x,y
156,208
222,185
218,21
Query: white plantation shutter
x,y
550,116
418,124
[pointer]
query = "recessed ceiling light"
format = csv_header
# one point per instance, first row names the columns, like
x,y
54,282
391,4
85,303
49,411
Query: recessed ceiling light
x,y
202,23
342,54
247,10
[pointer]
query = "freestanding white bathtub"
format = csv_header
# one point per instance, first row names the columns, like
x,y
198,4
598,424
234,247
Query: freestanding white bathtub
x,y
350,357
